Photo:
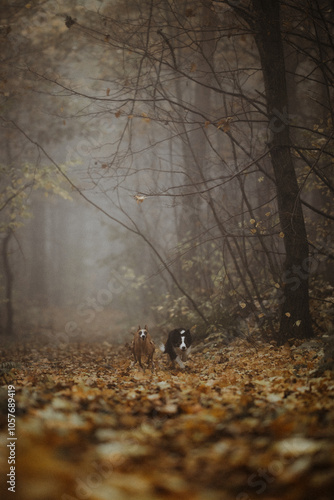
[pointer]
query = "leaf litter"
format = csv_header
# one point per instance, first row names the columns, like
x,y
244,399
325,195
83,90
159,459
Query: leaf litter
x,y
238,423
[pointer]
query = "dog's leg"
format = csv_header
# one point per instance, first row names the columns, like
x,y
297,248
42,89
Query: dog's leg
x,y
139,360
179,362
149,358
141,354
152,363
185,354
172,354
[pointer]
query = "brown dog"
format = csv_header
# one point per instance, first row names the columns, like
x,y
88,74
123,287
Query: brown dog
x,y
143,345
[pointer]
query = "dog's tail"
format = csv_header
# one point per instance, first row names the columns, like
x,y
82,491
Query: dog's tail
x,y
162,348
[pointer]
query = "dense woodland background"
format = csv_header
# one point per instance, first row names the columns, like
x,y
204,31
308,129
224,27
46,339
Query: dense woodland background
x,y
166,163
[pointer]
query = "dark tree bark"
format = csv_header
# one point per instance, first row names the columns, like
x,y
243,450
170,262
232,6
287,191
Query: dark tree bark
x,y
9,331
295,320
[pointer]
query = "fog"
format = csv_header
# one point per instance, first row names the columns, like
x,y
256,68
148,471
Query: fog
x,y
139,182
166,249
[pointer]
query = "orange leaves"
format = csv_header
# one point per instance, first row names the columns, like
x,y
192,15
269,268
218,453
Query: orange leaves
x,y
282,426
139,198
146,118
203,432
131,116
224,124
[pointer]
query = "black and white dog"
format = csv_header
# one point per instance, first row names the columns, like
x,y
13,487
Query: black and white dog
x,y
178,346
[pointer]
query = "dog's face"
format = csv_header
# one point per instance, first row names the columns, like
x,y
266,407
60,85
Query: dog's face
x,y
182,340
142,332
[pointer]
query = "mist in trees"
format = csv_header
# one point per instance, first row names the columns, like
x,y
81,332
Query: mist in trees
x,y
167,163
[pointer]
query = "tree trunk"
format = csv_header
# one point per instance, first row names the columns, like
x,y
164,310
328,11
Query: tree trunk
x,y
9,331
295,318
38,276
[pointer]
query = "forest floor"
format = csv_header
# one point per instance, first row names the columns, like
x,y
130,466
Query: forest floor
x,y
240,422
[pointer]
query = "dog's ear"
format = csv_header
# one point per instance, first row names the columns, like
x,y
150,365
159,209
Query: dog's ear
x,y
146,327
139,327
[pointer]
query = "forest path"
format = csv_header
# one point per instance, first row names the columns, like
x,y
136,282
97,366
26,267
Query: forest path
x,y
238,423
